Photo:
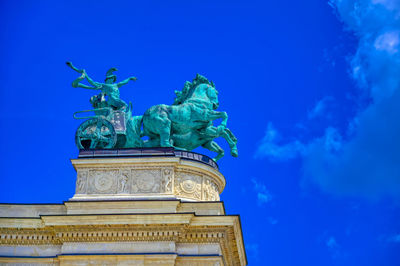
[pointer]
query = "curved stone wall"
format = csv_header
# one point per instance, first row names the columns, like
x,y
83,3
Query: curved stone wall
x,y
157,177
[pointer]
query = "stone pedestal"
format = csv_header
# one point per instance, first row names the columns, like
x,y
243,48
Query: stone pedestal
x,y
146,178
136,209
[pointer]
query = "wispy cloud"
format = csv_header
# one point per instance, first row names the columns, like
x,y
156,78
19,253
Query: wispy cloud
x,y
263,195
272,220
334,248
252,251
331,243
364,161
394,238
331,141
320,108
271,147
368,163
388,41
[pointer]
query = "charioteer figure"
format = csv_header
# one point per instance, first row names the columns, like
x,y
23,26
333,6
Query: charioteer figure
x,y
109,88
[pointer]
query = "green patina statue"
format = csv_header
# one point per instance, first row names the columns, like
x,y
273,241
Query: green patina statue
x,y
186,124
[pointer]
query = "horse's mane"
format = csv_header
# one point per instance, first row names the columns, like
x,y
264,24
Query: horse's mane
x,y
189,87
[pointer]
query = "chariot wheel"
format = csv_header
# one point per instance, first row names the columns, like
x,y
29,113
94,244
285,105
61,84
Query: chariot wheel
x,y
96,133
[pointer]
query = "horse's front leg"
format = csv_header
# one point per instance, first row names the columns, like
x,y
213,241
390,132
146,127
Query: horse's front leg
x,y
163,126
213,115
213,146
227,135
165,133
232,141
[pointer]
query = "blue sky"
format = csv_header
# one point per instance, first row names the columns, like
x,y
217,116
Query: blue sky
x,y
312,89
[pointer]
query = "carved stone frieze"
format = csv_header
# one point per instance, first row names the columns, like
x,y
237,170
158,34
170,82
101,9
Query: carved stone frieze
x,y
57,235
188,185
108,179
147,181
123,182
168,178
15,236
81,182
103,181
210,190
128,181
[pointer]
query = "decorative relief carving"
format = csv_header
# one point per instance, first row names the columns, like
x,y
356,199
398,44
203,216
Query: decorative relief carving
x,y
167,179
216,182
210,190
81,182
139,180
145,181
188,185
123,181
108,233
103,181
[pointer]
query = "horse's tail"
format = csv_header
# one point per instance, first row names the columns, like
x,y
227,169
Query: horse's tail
x,y
133,132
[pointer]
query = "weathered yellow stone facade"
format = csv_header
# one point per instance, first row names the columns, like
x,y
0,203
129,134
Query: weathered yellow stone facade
x,y
128,211
146,178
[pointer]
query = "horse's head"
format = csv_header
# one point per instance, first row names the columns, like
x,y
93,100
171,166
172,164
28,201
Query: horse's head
x,y
212,94
200,90
205,94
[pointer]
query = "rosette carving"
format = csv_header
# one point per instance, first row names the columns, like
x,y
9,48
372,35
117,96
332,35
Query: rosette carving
x,y
188,185
145,181
103,181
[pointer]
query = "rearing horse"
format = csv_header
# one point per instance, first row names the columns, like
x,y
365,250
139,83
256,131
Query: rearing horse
x,y
187,124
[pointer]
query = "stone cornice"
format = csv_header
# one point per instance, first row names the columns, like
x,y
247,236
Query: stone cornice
x,y
6,222
178,227
111,207
95,219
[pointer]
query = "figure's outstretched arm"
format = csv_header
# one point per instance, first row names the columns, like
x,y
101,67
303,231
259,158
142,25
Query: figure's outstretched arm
x,y
77,83
74,68
92,82
124,82
80,85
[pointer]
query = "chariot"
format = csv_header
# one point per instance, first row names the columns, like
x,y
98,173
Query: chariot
x,y
106,129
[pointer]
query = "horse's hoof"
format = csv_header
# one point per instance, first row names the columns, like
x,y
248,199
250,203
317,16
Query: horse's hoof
x,y
167,145
215,159
234,153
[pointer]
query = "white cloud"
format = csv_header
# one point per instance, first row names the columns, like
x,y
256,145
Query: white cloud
x,y
331,243
389,4
320,107
394,238
252,251
334,248
272,221
366,161
388,41
271,148
263,195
